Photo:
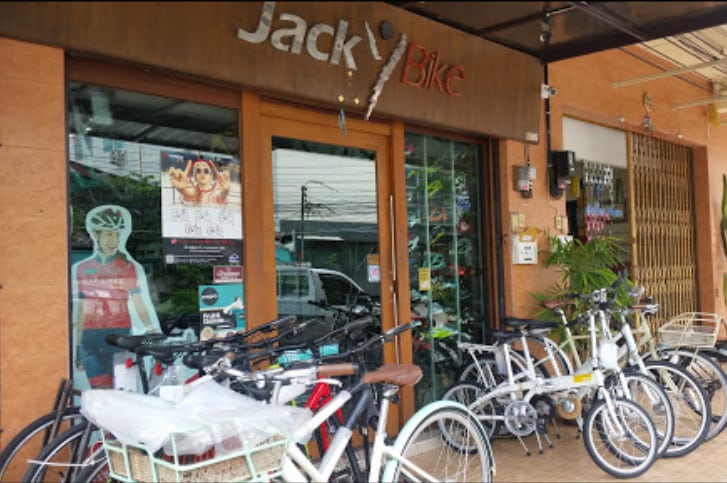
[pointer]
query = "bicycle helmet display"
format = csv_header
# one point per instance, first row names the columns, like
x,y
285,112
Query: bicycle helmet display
x,y
109,217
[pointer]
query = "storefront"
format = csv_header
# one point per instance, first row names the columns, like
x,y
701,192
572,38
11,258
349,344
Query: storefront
x,y
191,154
253,153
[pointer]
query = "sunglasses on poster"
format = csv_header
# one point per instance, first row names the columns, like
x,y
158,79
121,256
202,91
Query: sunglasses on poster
x,y
201,171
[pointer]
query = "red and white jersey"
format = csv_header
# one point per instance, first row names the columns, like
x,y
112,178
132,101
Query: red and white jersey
x,y
104,287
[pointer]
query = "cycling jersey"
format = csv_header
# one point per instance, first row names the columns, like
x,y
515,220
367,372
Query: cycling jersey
x,y
104,288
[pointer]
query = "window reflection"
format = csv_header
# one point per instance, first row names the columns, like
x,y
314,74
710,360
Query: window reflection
x,y
326,233
121,148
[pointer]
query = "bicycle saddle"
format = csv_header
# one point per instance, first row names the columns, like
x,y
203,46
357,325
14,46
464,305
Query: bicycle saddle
x,y
133,342
399,374
528,324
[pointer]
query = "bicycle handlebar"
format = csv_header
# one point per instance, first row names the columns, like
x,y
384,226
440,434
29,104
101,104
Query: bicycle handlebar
x,y
269,326
311,345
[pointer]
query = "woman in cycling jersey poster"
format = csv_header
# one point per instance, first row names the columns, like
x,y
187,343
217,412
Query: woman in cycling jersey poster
x,y
110,295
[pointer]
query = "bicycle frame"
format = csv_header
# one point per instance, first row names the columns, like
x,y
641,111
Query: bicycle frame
x,y
528,384
319,397
381,450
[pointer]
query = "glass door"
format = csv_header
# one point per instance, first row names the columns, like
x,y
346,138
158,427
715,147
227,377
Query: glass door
x,y
332,224
326,235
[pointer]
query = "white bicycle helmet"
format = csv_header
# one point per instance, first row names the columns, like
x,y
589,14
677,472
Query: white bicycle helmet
x,y
108,217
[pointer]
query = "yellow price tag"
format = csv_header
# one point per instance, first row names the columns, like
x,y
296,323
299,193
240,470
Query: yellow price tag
x,y
582,378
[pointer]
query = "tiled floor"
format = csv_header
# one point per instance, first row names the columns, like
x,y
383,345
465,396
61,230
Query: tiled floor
x,y
568,461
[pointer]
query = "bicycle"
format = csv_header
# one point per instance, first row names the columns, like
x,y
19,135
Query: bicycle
x,y
78,445
627,438
390,462
265,387
35,435
689,341
568,404
688,399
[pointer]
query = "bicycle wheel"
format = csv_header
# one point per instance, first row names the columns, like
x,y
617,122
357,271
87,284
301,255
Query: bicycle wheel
x,y
427,455
485,375
622,441
466,393
61,459
30,440
712,378
96,471
652,397
689,402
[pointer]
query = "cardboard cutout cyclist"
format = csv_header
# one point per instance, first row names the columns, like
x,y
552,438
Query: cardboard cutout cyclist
x,y
110,295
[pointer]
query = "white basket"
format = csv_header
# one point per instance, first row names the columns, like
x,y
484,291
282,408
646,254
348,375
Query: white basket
x,y
131,463
692,329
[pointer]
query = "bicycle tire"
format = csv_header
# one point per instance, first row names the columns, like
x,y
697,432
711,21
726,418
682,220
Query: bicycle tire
x,y
712,378
689,402
59,459
33,433
466,393
97,471
652,397
487,362
633,452
421,443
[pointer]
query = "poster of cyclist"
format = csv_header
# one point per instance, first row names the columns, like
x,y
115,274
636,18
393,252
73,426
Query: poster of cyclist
x,y
201,207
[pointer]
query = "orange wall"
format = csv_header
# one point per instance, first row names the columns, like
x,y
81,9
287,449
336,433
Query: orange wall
x,y
586,93
33,232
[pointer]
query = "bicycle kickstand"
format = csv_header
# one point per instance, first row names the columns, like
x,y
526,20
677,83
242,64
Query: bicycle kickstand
x,y
541,428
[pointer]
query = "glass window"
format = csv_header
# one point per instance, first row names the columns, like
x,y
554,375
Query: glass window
x,y
156,221
445,258
326,225
339,291
292,285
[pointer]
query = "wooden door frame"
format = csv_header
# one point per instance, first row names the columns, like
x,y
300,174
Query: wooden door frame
x,y
261,120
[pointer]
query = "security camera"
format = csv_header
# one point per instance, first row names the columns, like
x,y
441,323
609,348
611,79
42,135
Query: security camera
x,y
547,91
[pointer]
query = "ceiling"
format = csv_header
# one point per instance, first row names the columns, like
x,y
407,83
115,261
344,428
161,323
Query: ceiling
x,y
688,34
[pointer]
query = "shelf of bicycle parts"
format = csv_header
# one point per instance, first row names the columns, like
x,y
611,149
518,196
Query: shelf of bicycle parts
x,y
690,329
132,463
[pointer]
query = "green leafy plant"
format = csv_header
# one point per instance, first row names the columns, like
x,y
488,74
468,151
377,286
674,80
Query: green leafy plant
x,y
584,267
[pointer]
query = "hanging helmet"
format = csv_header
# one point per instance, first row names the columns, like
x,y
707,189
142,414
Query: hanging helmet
x,y
108,217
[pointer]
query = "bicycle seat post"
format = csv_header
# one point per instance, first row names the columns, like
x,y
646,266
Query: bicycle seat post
x,y
526,352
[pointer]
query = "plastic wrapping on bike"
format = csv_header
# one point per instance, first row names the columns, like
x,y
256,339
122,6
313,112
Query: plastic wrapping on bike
x,y
205,416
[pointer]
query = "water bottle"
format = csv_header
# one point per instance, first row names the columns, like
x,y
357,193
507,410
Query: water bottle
x,y
172,385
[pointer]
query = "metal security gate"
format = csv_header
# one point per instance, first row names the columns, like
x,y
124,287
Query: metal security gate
x,y
664,253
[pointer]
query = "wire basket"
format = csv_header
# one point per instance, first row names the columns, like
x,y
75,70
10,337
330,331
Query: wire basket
x,y
131,463
691,329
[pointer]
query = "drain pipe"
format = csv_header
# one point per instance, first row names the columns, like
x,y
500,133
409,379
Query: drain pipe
x,y
548,158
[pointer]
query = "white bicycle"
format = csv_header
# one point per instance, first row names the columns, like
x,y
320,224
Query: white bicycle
x,y
443,441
